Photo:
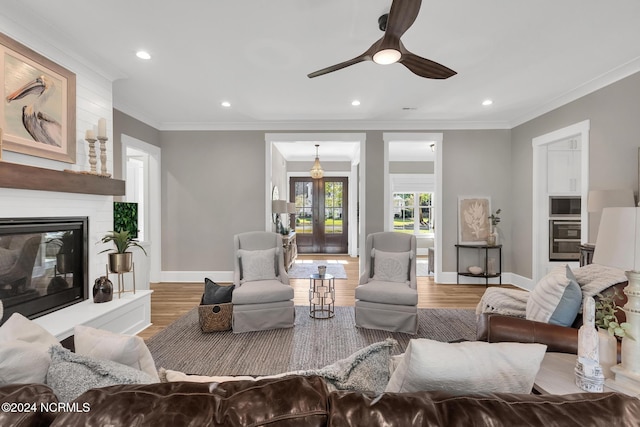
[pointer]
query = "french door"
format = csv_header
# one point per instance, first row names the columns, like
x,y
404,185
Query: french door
x,y
321,221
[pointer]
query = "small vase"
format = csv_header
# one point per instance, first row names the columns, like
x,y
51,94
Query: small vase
x,y
608,352
102,290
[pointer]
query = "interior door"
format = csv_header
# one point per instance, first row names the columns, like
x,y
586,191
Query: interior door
x,y
321,221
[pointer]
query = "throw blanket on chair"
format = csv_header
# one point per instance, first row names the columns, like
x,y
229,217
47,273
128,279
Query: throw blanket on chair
x,y
510,302
592,278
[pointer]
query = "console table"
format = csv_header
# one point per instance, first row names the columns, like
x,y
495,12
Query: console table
x,y
290,248
490,270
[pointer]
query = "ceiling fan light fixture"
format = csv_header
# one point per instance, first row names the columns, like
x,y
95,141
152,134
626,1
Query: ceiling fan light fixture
x,y
316,170
387,56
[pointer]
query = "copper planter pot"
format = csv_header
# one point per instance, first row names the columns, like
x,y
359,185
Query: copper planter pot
x,y
120,263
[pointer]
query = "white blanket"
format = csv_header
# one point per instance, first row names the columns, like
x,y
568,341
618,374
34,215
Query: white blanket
x,y
510,302
592,278
595,278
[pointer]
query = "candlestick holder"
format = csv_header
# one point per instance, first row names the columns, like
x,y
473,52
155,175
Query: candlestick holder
x,y
92,155
103,156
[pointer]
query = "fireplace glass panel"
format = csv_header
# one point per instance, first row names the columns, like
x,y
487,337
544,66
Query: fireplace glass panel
x,y
42,264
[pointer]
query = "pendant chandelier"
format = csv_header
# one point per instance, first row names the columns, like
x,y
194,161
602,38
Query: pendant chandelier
x,y
316,170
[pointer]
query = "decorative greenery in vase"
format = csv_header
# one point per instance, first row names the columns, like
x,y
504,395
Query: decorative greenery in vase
x,y
495,219
122,240
606,309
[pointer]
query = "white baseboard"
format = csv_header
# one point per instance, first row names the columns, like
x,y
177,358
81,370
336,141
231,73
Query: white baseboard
x,y
447,277
196,276
451,277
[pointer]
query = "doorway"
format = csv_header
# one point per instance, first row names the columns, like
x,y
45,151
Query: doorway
x,y
141,165
321,222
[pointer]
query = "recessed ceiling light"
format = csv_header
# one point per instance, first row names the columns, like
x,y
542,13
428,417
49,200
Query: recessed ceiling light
x,y
226,104
487,102
355,103
143,54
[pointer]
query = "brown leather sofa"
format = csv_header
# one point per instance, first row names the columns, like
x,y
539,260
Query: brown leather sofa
x,y
561,339
303,401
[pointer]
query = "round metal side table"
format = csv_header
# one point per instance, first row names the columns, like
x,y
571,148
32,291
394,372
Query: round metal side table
x,y
322,294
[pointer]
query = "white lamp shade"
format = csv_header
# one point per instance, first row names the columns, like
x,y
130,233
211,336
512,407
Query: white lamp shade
x,y
291,208
618,242
600,199
279,206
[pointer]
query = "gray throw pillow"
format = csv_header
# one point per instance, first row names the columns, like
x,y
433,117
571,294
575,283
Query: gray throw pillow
x,y
257,265
216,294
365,370
71,374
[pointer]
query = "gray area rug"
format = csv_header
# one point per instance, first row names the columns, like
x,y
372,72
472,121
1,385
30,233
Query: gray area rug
x,y
302,270
310,344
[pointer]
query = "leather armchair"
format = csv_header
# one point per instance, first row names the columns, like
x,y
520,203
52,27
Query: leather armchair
x,y
498,328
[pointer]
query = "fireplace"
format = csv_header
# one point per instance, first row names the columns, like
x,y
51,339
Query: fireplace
x,y
43,264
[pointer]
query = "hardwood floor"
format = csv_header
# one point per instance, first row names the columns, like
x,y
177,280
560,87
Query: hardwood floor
x,y
169,301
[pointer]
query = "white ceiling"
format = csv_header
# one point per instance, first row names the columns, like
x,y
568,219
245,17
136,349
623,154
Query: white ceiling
x,y
528,56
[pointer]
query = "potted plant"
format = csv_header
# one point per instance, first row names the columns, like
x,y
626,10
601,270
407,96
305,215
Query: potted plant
x,y
606,309
121,261
610,329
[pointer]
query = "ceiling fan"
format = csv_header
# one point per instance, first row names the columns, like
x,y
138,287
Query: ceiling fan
x,y
389,49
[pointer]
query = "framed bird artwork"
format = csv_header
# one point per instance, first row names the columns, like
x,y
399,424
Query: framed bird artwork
x,y
38,112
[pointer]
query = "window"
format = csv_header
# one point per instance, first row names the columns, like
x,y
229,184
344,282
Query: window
x,y
408,206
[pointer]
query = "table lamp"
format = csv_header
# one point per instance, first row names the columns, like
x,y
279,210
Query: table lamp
x,y
278,207
600,199
618,246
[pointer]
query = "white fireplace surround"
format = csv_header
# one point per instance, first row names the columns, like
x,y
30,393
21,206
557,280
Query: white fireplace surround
x,y
129,314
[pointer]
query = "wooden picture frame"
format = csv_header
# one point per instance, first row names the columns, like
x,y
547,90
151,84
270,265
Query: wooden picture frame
x,y
38,109
473,220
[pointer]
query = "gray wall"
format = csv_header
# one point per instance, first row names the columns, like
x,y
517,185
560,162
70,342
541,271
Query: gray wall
x,y
475,163
212,188
614,112
411,167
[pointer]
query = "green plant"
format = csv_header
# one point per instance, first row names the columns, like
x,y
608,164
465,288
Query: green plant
x,y
125,217
122,240
606,309
495,219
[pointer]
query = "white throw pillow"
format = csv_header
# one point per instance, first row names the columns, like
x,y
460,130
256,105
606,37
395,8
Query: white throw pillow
x,y
391,266
169,376
257,265
467,367
24,351
18,327
124,349
23,362
556,298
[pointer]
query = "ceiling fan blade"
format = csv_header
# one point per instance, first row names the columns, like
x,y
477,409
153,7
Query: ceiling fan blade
x,y
425,67
402,15
364,57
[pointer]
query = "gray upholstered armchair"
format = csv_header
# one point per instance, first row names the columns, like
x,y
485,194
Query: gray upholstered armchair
x,y
387,296
262,298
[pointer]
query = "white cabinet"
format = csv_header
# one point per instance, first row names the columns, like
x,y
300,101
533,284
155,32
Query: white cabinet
x,y
563,167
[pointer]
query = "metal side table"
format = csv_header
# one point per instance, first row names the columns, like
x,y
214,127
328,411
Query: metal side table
x,y
322,293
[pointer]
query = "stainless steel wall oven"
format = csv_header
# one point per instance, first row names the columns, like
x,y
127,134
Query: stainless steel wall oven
x,y
564,239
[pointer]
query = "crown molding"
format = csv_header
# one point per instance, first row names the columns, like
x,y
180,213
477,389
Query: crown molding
x,y
333,125
597,83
